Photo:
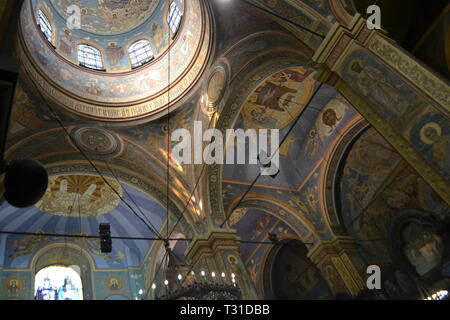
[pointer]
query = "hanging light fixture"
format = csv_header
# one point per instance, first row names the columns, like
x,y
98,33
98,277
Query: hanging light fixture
x,y
208,286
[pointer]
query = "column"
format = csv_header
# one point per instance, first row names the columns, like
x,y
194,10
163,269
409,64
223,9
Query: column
x,y
401,98
340,264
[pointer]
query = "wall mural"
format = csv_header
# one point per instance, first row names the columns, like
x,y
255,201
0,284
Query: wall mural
x,y
412,116
315,14
80,195
27,114
382,202
279,100
109,16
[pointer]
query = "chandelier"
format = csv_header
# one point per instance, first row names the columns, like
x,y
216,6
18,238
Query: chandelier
x,y
187,285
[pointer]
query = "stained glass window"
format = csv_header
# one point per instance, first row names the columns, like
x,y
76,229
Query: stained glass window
x,y
58,283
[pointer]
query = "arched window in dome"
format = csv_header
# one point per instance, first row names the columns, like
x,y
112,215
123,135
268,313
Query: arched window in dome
x,y
90,57
174,17
45,25
140,53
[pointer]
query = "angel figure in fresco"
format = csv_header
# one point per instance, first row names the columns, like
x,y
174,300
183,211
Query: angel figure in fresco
x,y
27,244
313,144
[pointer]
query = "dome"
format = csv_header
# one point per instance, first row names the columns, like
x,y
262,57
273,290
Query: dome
x,y
116,64
106,17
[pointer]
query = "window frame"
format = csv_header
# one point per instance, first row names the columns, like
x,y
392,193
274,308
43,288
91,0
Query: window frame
x,y
44,23
174,17
134,53
96,63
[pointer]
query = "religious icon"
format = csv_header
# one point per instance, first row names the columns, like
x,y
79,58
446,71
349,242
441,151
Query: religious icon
x,y
115,53
68,291
423,249
47,291
66,43
270,94
114,284
279,99
380,90
433,135
13,287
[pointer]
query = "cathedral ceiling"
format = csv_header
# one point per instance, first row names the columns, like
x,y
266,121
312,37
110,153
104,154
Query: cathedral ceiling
x,y
298,184
251,53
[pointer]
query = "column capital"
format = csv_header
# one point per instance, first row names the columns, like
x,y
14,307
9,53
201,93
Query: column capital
x,y
209,244
333,247
342,254
340,38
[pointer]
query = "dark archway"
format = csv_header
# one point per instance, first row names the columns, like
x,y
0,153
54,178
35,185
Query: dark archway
x,y
290,274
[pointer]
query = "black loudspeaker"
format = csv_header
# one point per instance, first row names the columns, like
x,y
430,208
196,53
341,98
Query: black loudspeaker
x,y
25,183
105,238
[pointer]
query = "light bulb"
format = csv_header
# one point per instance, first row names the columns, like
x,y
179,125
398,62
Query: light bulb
x,y
180,277
203,273
166,282
141,291
223,274
153,286
233,275
213,274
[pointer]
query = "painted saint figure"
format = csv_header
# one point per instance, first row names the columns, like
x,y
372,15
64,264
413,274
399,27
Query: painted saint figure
x,y
47,291
68,291
374,84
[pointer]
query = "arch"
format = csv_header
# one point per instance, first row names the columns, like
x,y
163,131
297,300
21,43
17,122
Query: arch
x,y
299,224
241,87
286,261
328,187
343,10
65,254
57,282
